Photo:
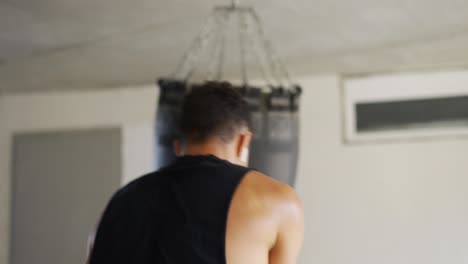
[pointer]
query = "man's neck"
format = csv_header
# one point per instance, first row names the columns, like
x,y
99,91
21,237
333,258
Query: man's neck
x,y
211,147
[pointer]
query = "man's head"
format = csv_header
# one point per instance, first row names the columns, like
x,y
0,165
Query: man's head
x,y
215,120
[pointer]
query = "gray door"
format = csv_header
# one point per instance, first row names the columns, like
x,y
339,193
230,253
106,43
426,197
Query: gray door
x,y
61,183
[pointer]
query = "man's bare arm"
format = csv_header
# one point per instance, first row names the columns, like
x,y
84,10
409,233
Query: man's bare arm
x,y
290,232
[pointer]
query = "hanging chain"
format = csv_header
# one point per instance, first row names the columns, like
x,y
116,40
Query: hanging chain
x,y
242,48
276,65
190,57
216,55
197,53
257,50
265,49
211,42
222,50
211,65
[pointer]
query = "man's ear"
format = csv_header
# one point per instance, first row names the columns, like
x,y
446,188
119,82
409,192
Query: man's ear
x,y
178,149
243,145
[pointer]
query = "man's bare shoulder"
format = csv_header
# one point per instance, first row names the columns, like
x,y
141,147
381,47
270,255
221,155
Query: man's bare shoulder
x,y
273,195
265,217
284,209
266,185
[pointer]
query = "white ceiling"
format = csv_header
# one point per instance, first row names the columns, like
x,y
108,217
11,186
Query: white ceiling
x,y
86,44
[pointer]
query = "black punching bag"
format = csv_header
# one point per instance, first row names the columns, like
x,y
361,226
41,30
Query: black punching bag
x,y
275,146
167,118
274,149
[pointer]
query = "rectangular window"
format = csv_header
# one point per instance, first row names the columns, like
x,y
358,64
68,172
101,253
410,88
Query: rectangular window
x,y
412,114
406,106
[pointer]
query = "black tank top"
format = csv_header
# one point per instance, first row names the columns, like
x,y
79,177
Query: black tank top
x,y
177,215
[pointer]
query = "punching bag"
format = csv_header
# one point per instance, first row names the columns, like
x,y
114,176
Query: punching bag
x,y
167,120
273,101
274,148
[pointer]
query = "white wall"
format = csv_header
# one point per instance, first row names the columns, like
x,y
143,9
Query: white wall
x,y
389,203
398,203
131,109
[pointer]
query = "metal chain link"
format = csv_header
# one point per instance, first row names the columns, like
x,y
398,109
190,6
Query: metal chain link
x,y
216,47
277,66
252,40
258,47
189,59
222,50
242,48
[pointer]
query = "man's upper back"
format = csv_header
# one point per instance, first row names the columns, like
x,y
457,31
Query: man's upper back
x,y
200,210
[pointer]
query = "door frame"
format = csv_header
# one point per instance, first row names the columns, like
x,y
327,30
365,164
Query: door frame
x,y
132,109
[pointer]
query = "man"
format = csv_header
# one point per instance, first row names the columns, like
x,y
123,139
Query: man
x,y
207,207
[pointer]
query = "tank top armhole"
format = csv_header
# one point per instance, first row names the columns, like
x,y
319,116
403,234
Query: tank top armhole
x,y
236,187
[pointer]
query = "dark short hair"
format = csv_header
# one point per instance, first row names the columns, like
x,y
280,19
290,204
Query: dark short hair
x,y
213,109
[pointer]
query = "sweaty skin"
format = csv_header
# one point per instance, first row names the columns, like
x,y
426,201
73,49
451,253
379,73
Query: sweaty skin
x,y
265,223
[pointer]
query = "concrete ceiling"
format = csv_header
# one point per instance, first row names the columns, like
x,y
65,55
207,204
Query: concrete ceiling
x,y
86,44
